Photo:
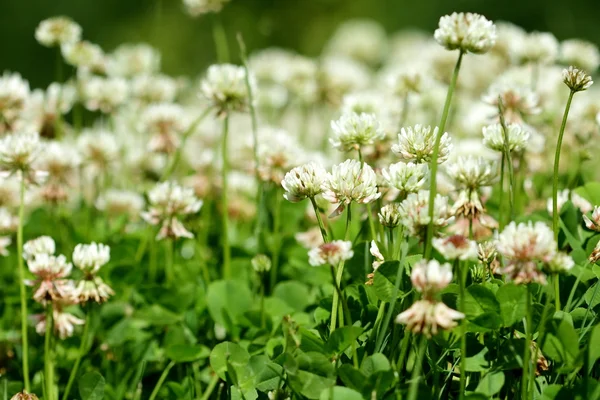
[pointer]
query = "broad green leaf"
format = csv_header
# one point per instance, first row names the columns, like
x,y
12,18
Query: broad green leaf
x,y
314,373
374,363
295,294
157,315
479,300
352,377
550,392
340,393
479,362
342,338
186,352
384,280
512,299
590,191
267,374
594,347
592,295
225,352
491,383
228,299
561,342
91,386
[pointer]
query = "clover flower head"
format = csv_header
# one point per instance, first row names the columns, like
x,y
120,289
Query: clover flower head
x,y
389,215
428,318
536,47
331,253
431,277
518,101
561,263
104,94
406,177
471,172
14,92
37,246
198,7
580,53
352,131
576,79
117,202
593,223
468,32
493,137
351,181
414,212
305,181
225,87
56,31
456,247
91,257
416,144
82,54
133,59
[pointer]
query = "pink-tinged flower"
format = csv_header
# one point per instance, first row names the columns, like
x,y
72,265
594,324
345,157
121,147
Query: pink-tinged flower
x,y
483,227
428,318
523,272
331,253
24,396
51,272
64,323
93,289
456,247
414,212
430,277
594,222
350,181
527,242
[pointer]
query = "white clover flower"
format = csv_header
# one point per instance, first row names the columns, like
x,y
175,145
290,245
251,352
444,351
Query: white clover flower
x,y
403,81
310,239
305,181
154,89
580,53
361,103
389,215
561,263
594,222
536,47
225,87
93,289
164,122
576,79
50,272
131,60
198,7
468,32
19,153
120,202
24,395
378,257
331,253
468,205
104,94
362,40
91,257
339,76
82,54
5,242
406,177
416,143
167,202
456,247
414,212
563,196
278,152
350,181
14,92
60,160
98,148
518,101
300,79
526,242
8,221
352,131
431,277
9,192
493,137
56,31
64,326
428,318
40,245
471,172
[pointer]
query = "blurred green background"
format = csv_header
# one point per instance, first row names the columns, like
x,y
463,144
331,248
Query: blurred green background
x,y
187,46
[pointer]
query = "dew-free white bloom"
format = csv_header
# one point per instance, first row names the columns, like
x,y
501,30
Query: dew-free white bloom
x,y
63,322
91,257
493,137
389,215
576,79
352,131
594,222
518,101
331,253
14,92
378,257
133,59
310,239
98,148
225,87
456,247
536,47
416,144
82,54
167,202
406,177
467,32
339,76
154,88
24,396
261,263
117,202
431,277
8,221
468,205
5,242
50,272
198,7
428,318
472,173
104,94
56,31
37,246
351,181
305,181
60,160
19,153
164,123
561,263
563,196
580,53
414,212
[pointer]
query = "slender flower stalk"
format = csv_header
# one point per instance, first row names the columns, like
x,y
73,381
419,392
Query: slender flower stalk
x,y
48,367
527,353
224,204
82,351
277,236
339,274
436,149
507,157
555,215
462,269
161,380
413,391
319,220
22,290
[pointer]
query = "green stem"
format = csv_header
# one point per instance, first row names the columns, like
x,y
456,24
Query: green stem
x,y
339,274
169,261
462,277
434,156
556,163
210,387
415,378
574,289
403,350
24,312
507,156
501,197
277,236
161,380
48,368
527,354
388,317
224,204
220,38
556,280
319,220
82,351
